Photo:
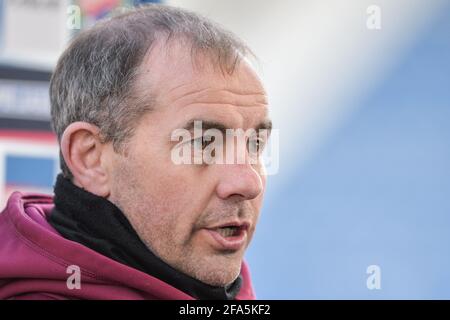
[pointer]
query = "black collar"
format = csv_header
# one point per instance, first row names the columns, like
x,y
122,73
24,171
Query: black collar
x,y
98,224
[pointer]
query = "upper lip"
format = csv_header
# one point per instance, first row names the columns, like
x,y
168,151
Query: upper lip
x,y
241,224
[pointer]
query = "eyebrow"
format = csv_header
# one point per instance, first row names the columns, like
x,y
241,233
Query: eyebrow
x,y
211,124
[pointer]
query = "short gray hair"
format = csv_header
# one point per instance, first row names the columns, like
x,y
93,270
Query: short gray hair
x,y
94,78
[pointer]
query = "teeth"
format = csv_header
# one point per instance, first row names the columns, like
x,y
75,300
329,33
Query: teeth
x,y
227,231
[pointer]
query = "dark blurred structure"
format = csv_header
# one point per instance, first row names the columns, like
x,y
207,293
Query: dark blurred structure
x,y
32,36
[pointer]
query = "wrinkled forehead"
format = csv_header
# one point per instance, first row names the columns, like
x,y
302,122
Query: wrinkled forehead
x,y
195,87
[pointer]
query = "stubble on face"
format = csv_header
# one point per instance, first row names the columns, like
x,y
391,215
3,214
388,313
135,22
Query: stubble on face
x,y
169,205
173,237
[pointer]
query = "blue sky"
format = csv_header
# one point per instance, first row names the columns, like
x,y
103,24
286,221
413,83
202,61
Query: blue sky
x,y
376,192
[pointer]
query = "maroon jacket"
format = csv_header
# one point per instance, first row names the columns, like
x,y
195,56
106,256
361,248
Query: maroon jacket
x,y
34,261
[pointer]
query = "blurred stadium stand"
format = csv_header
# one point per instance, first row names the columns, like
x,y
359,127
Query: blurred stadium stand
x,y
32,35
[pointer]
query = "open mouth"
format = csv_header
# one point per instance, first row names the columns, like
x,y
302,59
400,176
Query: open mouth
x,y
230,237
231,231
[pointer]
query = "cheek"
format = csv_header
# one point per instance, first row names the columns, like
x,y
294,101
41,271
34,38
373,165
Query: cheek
x,y
174,197
174,192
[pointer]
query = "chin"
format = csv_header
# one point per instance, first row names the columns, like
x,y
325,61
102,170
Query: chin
x,y
218,273
219,279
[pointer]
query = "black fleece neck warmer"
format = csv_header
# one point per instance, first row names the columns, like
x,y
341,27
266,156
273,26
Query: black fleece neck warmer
x,y
98,224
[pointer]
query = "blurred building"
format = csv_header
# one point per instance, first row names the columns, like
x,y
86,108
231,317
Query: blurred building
x,y
32,36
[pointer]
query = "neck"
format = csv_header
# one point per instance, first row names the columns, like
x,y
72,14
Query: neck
x,y
98,224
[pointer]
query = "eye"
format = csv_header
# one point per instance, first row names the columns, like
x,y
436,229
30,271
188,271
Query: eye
x,y
202,142
255,145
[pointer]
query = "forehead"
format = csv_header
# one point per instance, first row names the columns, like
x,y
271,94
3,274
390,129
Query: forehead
x,y
189,88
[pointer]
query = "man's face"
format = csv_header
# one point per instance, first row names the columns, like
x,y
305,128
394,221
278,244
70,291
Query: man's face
x,y
198,218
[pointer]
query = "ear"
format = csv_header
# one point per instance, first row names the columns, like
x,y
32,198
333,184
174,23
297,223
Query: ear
x,y
86,157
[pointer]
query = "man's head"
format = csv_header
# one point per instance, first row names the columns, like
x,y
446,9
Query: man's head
x,y
117,95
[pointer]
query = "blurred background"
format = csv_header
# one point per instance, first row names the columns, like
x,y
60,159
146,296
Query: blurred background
x,y
360,93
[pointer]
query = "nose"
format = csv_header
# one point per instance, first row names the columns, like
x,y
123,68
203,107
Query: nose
x,y
239,180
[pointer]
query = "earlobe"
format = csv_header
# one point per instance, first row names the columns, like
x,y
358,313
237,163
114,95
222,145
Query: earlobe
x,y
83,151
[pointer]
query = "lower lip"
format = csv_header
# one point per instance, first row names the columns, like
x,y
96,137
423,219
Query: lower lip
x,y
233,243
